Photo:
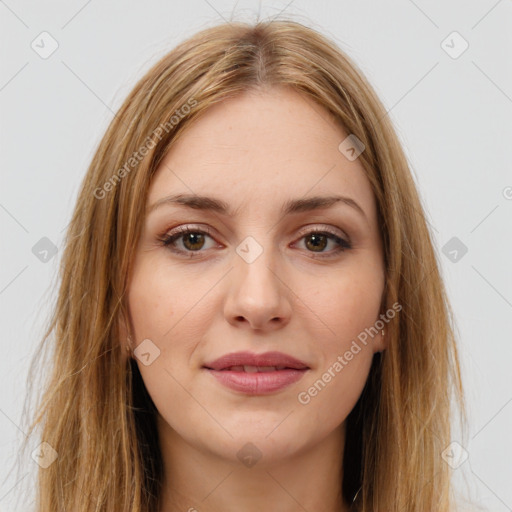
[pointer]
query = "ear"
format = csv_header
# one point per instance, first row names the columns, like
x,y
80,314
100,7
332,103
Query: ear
x,y
381,340
124,330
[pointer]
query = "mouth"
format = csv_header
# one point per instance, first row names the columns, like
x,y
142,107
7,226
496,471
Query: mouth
x,y
252,363
259,382
254,369
257,374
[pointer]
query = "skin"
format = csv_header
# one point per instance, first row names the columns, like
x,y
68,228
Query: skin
x,y
255,152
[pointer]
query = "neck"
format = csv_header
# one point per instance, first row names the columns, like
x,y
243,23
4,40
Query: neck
x,y
197,480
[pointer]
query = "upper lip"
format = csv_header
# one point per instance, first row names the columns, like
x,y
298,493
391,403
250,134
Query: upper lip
x,y
251,359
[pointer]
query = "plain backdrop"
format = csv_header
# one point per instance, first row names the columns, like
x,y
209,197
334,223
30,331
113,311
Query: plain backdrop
x,y
443,71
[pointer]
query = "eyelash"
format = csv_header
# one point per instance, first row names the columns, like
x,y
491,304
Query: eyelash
x,y
168,239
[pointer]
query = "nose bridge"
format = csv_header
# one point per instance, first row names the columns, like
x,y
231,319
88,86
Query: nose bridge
x,y
257,293
255,264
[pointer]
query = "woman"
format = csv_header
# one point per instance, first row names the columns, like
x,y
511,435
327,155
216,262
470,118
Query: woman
x,y
251,314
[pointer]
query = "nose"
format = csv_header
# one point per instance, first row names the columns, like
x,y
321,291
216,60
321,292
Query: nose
x,y
258,296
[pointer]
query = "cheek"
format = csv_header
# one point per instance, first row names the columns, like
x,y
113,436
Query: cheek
x,y
161,298
160,306
334,387
157,301
159,315
333,393
348,305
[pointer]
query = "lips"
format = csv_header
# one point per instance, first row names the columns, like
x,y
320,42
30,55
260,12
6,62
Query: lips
x,y
257,374
252,363
254,369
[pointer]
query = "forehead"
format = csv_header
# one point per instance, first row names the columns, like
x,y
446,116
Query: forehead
x,y
262,146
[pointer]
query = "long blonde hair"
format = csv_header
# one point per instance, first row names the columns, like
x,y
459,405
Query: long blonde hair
x,y
95,411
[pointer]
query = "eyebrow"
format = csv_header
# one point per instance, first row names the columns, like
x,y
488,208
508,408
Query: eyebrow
x,y
206,203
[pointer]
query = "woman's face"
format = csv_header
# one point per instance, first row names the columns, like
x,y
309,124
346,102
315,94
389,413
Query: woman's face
x,y
252,276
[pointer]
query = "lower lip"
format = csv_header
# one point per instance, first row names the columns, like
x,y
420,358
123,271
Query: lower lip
x,y
257,383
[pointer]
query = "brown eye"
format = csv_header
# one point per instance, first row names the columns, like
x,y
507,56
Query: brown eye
x,y
193,241
186,240
318,242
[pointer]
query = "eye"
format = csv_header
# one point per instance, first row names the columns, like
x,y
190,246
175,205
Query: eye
x,y
193,240
316,240
189,240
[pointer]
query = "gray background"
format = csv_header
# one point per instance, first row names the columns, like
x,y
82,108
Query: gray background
x,y
452,112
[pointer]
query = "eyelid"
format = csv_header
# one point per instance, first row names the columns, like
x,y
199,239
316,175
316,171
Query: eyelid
x,y
340,238
311,228
185,228
168,234
305,230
